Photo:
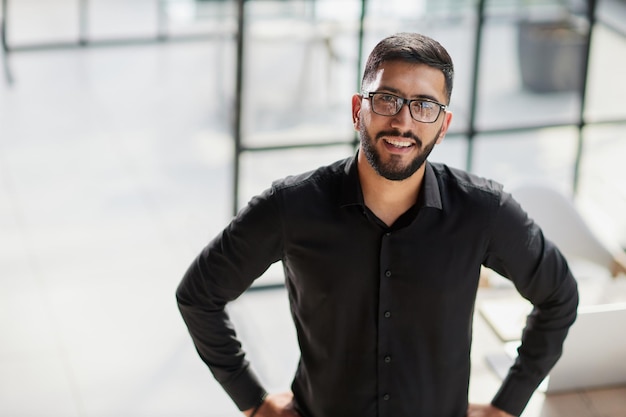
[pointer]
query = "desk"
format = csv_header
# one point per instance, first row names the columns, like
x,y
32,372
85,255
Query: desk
x,y
610,402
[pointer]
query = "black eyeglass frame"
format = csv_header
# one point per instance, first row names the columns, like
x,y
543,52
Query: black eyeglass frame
x,y
369,94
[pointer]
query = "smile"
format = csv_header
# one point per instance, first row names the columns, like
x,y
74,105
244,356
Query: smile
x,y
399,143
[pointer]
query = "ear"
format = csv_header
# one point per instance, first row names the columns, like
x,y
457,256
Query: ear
x,y
356,111
444,127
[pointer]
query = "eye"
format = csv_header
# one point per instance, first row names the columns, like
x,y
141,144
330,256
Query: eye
x,y
387,98
424,105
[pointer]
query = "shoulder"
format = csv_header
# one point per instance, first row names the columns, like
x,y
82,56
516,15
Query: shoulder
x,y
296,192
319,179
454,180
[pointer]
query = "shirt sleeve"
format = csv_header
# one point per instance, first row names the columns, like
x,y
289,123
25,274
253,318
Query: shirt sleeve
x,y
225,268
518,250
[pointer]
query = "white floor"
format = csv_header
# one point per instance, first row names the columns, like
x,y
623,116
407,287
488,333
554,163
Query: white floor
x,y
115,170
109,185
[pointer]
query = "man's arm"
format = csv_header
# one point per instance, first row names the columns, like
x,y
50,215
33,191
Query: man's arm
x,y
274,405
222,272
485,410
519,251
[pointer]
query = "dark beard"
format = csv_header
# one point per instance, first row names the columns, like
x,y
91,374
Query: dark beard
x,y
392,170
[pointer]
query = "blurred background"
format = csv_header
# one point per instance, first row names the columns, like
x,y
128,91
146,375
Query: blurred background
x,y
132,130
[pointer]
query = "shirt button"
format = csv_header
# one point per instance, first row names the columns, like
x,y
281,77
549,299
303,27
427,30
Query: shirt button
x,y
387,273
388,234
387,314
387,359
386,397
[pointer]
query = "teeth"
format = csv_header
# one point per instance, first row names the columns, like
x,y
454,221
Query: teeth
x,y
398,144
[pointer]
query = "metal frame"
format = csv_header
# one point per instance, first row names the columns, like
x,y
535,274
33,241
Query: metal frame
x,y
83,40
470,132
162,35
239,88
5,46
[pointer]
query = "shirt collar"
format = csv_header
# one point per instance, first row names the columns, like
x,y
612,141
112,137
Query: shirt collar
x,y
431,194
351,193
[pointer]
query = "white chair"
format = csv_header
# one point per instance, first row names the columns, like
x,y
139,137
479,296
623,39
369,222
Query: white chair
x,y
562,223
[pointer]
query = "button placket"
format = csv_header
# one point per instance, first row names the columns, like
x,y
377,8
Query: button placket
x,y
384,337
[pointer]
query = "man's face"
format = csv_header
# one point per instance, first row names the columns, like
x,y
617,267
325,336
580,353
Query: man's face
x,y
397,146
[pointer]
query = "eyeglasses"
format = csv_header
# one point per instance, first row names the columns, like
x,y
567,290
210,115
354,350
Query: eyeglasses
x,y
421,110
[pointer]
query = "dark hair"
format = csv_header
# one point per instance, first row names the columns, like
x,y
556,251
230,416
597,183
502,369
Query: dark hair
x,y
412,48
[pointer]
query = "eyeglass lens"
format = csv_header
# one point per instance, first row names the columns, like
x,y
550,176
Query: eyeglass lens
x,y
390,105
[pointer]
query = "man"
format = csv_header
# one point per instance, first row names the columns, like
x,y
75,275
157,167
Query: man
x,y
382,255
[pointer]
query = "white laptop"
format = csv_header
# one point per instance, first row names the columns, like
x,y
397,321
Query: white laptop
x,y
594,353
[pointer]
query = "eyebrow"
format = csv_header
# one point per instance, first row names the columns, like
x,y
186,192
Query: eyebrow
x,y
400,94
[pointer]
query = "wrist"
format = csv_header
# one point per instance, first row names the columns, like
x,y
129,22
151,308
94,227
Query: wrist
x,y
255,410
501,412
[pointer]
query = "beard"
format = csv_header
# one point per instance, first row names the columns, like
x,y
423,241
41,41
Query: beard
x,y
393,169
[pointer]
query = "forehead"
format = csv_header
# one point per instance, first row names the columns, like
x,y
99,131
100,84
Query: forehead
x,y
410,80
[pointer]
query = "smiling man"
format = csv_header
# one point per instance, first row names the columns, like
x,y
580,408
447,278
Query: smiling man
x,y
382,255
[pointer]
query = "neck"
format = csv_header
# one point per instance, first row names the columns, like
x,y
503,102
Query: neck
x,y
388,199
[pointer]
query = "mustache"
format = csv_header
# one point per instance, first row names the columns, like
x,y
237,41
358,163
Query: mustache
x,y
408,134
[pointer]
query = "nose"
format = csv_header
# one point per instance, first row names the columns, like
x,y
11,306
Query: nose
x,y
403,117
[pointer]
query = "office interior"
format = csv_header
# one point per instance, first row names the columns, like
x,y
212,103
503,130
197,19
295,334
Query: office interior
x,y
131,131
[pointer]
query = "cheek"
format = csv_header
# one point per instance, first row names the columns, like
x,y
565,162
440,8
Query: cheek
x,y
373,122
363,120
439,137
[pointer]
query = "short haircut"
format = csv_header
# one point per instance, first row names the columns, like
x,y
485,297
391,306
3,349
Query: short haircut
x,y
411,48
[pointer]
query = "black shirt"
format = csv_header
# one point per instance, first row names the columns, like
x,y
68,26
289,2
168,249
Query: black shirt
x,y
383,314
